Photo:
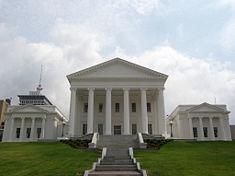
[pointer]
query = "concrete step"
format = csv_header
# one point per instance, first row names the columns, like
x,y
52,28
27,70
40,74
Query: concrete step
x,y
116,162
120,141
116,168
117,157
114,173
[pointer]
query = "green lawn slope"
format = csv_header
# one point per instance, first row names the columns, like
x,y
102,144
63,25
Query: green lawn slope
x,y
44,159
176,158
181,158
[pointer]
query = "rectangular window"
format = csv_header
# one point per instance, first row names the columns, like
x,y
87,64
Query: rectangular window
x,y
205,131
117,107
195,132
100,107
39,132
150,130
133,107
28,131
85,107
216,131
17,132
134,128
148,107
84,129
100,129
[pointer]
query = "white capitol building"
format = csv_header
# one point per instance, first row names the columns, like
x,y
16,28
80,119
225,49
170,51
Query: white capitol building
x,y
118,97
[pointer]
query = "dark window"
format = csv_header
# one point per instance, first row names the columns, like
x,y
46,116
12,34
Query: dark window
x,y
85,108
205,131
84,129
195,132
148,107
133,107
100,107
17,132
150,130
134,128
28,131
117,107
39,132
100,129
216,131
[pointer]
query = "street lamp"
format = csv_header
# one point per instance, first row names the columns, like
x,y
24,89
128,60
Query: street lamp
x,y
171,124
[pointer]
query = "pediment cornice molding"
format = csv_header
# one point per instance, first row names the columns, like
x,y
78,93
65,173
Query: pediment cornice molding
x,y
151,73
212,107
19,108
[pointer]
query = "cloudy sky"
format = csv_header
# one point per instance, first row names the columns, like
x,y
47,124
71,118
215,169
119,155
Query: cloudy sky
x,y
193,41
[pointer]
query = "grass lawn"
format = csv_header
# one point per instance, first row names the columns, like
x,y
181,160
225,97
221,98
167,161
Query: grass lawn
x,y
44,159
181,158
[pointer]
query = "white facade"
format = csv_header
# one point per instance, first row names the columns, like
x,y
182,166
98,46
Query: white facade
x,y
200,122
117,97
33,122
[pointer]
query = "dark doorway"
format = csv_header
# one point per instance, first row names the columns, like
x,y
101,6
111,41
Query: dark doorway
x,y
117,129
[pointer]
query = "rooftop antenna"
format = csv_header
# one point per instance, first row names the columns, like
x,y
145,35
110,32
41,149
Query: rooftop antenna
x,y
39,88
215,100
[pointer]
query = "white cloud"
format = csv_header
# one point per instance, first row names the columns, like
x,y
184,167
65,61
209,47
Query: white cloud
x,y
191,80
228,35
229,3
73,49
144,7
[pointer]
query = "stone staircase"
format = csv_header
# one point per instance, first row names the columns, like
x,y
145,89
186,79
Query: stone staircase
x,y
117,141
116,162
117,157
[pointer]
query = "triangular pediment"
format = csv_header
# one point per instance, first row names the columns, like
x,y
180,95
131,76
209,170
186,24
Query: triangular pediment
x,y
117,68
28,108
206,107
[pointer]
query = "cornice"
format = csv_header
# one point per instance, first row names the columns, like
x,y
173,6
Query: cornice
x,y
118,60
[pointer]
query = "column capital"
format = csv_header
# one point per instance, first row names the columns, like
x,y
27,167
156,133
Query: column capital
x,y
43,118
126,89
73,88
108,88
90,88
161,88
143,89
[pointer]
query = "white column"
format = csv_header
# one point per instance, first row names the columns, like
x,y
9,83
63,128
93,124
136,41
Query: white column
x,y
161,111
190,120
222,133
32,128
108,123
201,132
227,128
90,115
212,134
126,122
22,129
144,114
72,115
11,136
43,128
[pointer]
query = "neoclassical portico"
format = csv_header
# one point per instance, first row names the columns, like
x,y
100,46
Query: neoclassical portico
x,y
29,122
32,134
200,122
118,96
